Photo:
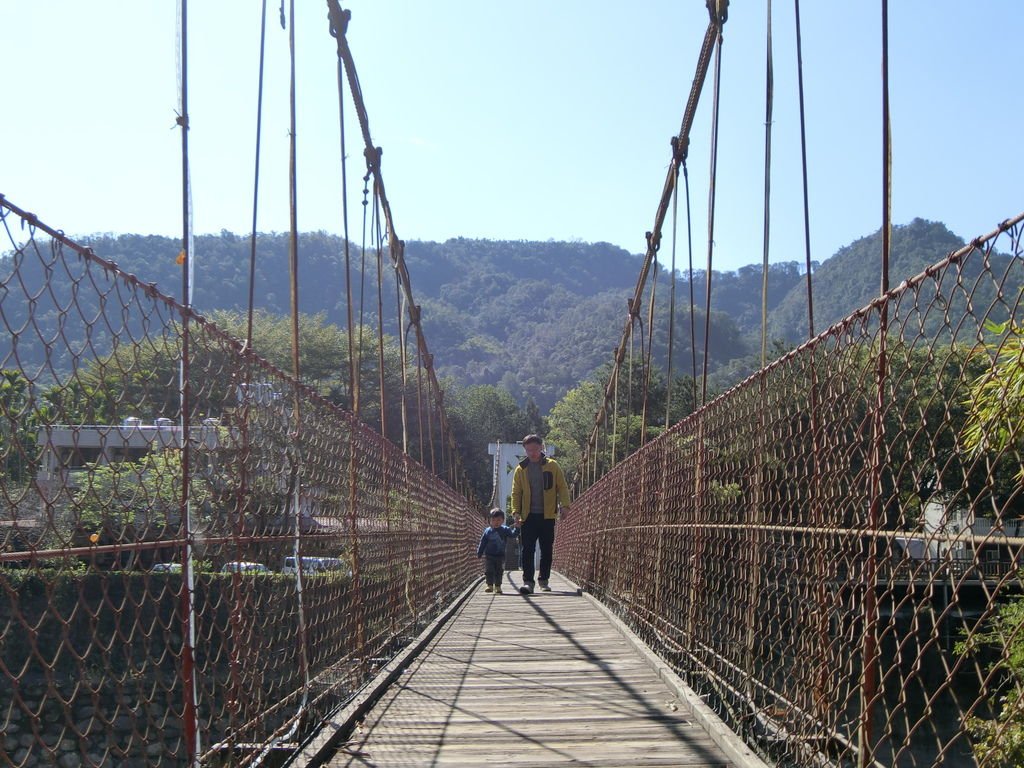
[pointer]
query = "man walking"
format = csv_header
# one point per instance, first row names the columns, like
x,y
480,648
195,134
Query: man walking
x,y
538,487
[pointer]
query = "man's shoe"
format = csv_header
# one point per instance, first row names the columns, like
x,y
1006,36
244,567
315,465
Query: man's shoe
x,y
489,588
526,589
544,586
497,589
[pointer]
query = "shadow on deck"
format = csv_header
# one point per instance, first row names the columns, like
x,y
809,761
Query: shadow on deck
x,y
545,680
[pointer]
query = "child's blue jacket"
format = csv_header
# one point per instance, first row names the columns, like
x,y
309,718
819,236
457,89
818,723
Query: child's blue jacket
x,y
493,540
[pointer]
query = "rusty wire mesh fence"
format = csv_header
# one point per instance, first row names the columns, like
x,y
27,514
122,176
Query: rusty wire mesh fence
x,y
831,552
193,585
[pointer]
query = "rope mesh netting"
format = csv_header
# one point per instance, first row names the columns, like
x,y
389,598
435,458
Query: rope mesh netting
x,y
830,552
103,658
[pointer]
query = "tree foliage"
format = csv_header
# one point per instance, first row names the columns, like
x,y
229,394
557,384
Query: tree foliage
x,y
995,429
995,425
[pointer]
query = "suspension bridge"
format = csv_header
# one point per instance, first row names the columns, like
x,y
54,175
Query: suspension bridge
x,y
820,567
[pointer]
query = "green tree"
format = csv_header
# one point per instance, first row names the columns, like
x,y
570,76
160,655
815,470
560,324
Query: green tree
x,y
17,438
481,415
1000,741
996,402
129,501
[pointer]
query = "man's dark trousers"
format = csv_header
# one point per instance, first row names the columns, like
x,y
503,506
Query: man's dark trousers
x,y
536,528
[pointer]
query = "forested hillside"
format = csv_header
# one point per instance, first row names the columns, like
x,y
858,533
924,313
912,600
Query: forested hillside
x,y
535,318
851,278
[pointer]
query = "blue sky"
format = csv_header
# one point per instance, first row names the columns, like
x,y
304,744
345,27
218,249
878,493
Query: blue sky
x,y
525,121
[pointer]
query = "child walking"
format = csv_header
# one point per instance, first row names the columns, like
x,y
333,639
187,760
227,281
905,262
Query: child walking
x,y
492,548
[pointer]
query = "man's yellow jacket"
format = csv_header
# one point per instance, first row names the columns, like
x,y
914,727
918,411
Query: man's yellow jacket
x,y
555,489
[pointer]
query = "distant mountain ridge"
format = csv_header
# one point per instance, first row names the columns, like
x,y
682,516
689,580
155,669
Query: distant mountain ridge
x,y
533,317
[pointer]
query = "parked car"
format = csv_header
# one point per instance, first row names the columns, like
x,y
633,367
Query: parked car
x,y
314,565
244,567
166,568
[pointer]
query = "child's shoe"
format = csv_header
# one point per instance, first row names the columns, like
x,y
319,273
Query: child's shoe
x,y
489,588
497,589
543,585
526,589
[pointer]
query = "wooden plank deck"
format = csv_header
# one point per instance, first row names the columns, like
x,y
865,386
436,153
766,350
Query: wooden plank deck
x,y
537,681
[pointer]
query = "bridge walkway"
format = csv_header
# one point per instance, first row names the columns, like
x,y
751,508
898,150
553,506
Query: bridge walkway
x,y
541,681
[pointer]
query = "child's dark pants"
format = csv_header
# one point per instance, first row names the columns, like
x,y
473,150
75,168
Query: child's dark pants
x,y
493,569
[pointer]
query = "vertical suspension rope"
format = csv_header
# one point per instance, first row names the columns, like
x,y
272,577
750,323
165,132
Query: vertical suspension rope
x,y
256,178
431,402
649,350
768,106
758,515
239,641
629,389
187,598
295,448
362,291
354,358
803,155
817,511
403,361
718,12
419,399
353,381
870,652
711,215
379,248
693,314
615,413
672,302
